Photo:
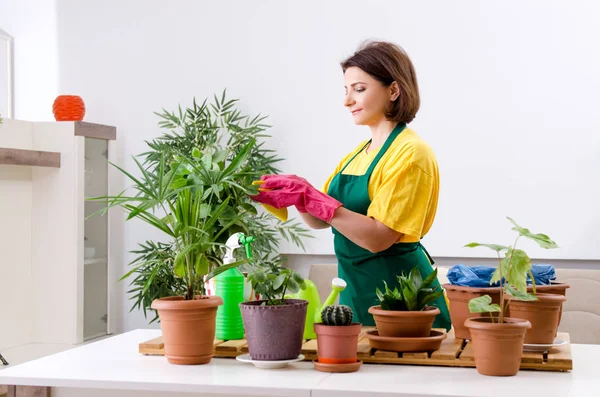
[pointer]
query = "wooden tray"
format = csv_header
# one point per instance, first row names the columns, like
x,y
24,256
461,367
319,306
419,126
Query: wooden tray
x,y
452,353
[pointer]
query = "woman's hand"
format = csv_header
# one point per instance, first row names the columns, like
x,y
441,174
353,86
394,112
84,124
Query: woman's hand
x,y
286,190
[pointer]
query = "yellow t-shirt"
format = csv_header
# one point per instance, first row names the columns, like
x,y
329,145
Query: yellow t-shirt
x,y
404,186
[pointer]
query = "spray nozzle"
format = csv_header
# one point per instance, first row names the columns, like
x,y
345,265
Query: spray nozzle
x,y
246,241
238,240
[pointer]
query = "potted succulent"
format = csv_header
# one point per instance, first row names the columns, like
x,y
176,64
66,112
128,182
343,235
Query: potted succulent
x,y
188,198
337,340
405,310
274,325
498,340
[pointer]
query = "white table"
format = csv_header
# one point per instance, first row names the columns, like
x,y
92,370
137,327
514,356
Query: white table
x,y
113,367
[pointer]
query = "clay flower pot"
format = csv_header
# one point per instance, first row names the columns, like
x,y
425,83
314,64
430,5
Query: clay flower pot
x,y
68,108
336,344
404,323
458,298
188,327
543,315
274,332
497,348
552,288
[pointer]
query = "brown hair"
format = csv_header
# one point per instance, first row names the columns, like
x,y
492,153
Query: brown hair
x,y
388,62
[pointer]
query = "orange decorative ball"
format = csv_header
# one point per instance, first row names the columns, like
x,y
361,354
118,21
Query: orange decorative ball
x,y
68,108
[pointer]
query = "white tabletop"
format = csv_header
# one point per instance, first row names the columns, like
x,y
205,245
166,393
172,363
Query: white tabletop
x,y
114,363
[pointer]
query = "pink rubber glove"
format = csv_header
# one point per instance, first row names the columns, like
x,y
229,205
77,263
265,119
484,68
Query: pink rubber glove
x,y
291,181
287,190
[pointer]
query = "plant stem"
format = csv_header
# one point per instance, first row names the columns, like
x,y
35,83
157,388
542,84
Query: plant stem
x,y
285,287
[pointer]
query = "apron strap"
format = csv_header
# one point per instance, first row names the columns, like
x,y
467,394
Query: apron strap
x,y
426,253
355,154
388,142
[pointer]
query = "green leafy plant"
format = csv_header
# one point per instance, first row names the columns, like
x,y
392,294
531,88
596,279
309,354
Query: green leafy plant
x,y
413,293
188,200
213,127
201,141
513,267
272,281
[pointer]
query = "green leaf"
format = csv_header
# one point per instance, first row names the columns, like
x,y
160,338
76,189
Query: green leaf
x,y
415,278
196,153
279,280
180,269
524,296
220,155
483,304
201,265
543,240
519,264
495,247
223,268
429,280
292,285
410,297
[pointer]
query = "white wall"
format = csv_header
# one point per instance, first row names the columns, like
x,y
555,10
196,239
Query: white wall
x,y
128,59
32,24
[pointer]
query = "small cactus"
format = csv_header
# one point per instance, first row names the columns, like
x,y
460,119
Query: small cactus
x,y
337,315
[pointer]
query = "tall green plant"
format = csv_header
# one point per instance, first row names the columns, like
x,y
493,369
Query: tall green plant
x,y
511,273
214,149
216,126
189,199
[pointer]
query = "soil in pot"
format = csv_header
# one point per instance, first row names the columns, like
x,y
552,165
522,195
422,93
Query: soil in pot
x,y
543,315
459,298
274,332
497,348
396,323
188,328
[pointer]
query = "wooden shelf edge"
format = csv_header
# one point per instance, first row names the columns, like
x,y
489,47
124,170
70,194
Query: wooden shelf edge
x,y
35,158
92,130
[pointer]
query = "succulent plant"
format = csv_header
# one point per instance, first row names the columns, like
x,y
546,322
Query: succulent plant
x,y
337,315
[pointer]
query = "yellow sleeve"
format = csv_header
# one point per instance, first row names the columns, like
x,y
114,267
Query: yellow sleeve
x,y
403,199
339,167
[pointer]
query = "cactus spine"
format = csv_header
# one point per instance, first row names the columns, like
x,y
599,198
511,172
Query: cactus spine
x,y
337,315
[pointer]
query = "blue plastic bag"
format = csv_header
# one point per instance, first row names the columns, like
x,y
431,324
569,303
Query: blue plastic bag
x,y
480,276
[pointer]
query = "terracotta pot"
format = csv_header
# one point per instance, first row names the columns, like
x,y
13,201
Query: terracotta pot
x,y
337,344
68,108
543,315
188,328
274,332
497,348
459,298
552,288
404,323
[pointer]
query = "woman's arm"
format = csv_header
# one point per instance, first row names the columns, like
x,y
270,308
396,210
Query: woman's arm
x,y
364,231
313,222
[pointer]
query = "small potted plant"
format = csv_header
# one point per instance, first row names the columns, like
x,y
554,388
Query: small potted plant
x,y
498,340
274,325
405,310
337,340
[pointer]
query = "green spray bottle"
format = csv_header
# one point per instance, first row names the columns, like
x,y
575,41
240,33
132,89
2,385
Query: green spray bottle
x,y
229,285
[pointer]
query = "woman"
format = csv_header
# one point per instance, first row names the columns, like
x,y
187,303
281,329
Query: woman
x,y
382,198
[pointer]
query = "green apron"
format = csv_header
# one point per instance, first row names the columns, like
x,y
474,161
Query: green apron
x,y
363,270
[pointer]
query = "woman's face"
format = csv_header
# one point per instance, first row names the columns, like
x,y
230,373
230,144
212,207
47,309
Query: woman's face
x,y
366,98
